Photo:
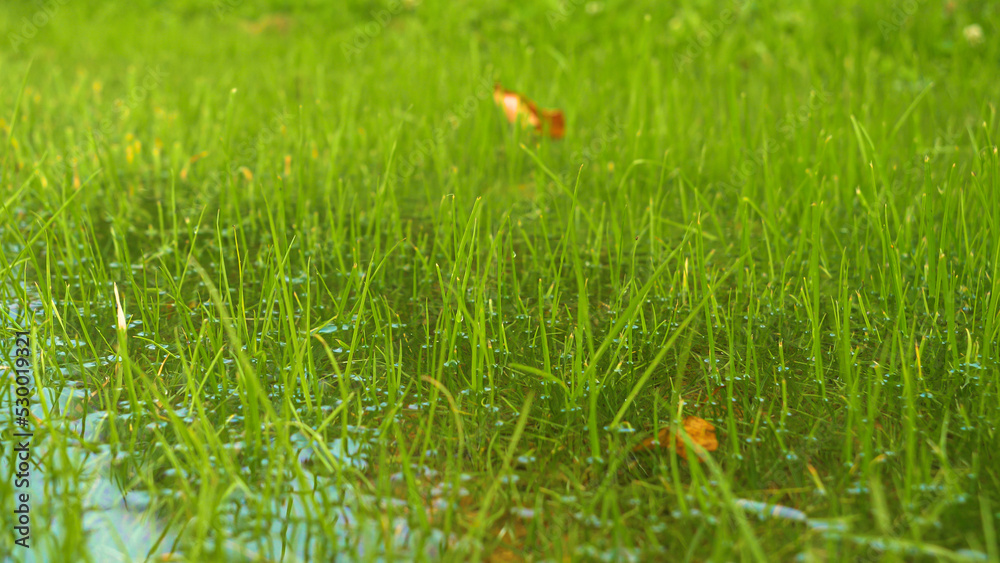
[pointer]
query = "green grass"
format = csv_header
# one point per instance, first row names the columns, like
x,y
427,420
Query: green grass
x,y
366,318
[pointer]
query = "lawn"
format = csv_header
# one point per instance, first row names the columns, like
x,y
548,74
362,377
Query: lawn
x,y
280,281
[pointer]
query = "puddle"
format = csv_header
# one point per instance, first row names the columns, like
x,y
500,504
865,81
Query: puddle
x,y
72,481
327,521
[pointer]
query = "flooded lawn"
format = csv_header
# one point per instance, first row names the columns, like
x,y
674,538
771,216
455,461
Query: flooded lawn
x,y
587,282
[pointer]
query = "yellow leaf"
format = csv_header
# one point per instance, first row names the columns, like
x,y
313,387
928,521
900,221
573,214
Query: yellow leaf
x,y
700,430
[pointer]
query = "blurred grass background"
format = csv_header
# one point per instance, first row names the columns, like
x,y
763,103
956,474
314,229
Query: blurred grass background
x,y
354,291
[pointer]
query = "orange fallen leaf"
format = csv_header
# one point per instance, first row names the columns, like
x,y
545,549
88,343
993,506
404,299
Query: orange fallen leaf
x,y
516,106
700,430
